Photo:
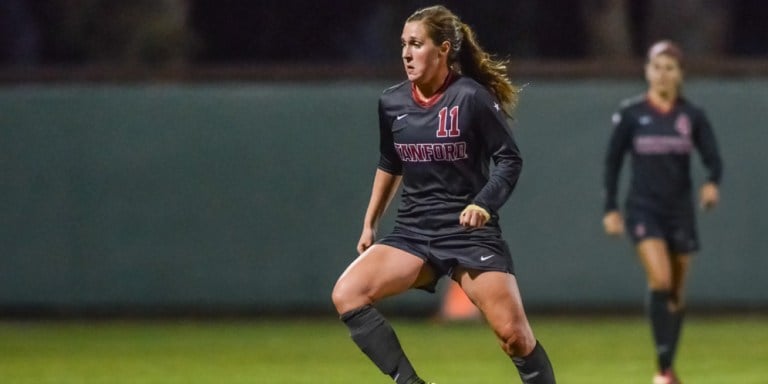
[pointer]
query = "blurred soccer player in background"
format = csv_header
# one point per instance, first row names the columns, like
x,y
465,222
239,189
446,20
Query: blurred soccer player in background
x,y
660,129
438,133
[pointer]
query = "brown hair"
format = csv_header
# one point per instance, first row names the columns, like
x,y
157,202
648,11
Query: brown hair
x,y
467,56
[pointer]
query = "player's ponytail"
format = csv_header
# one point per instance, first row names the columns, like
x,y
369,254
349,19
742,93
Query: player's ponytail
x,y
478,64
466,56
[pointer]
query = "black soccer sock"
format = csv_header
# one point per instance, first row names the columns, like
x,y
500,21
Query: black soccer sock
x,y
662,325
677,330
376,338
536,367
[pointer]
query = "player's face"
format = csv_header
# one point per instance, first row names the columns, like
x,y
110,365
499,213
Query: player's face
x,y
421,57
663,74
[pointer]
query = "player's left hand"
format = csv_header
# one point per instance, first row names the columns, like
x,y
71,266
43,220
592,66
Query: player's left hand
x,y
709,196
367,238
474,216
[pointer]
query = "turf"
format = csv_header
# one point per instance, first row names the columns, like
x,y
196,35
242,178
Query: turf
x,y
584,350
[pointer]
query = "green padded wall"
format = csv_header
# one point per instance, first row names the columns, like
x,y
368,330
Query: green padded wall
x,y
250,197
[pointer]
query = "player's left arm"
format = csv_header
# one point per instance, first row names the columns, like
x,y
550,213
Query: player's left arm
x,y
704,139
497,139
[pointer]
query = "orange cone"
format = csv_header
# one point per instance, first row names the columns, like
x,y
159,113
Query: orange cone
x,y
456,305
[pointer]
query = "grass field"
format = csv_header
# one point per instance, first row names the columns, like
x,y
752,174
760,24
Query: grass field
x,y
714,350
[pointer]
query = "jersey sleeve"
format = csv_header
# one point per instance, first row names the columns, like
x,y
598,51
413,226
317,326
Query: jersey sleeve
x,y
704,139
498,141
618,144
389,160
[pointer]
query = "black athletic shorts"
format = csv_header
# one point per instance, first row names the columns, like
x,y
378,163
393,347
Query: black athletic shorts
x,y
678,231
478,249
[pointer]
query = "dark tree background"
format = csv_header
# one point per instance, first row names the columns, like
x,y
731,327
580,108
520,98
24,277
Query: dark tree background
x,y
152,32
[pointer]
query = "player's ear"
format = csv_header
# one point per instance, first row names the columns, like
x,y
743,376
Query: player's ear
x,y
445,48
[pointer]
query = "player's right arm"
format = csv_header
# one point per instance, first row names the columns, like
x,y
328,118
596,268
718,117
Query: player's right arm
x,y
619,143
384,188
385,182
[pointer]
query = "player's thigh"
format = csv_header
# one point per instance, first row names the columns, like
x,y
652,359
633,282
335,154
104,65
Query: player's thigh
x,y
379,272
655,258
496,294
680,265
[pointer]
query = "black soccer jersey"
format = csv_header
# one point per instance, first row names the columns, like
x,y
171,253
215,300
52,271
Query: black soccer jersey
x,y
443,149
660,144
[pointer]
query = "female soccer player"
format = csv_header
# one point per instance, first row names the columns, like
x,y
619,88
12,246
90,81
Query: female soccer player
x,y
660,129
438,133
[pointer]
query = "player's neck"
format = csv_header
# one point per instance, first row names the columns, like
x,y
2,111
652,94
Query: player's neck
x,y
427,90
663,101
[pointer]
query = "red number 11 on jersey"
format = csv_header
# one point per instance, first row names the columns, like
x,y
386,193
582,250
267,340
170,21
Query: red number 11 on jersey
x,y
442,129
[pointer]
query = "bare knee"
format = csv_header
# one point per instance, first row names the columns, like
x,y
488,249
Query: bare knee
x,y
516,338
676,302
346,297
659,280
659,284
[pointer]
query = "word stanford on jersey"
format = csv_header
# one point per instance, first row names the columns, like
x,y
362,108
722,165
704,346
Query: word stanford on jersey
x,y
432,151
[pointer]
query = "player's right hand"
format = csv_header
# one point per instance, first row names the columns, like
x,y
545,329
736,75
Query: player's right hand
x,y
366,240
613,223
